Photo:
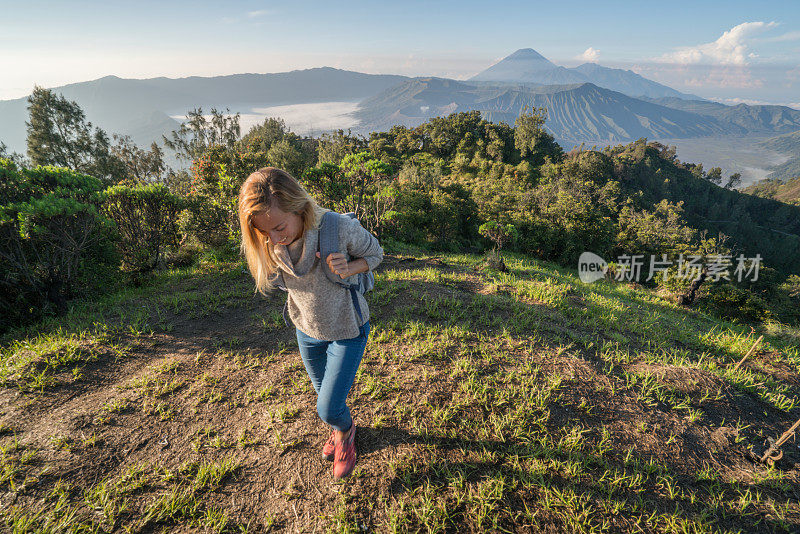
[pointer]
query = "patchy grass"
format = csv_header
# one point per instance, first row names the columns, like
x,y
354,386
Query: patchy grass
x,y
486,401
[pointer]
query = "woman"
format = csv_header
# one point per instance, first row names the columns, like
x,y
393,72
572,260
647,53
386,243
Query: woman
x,y
280,225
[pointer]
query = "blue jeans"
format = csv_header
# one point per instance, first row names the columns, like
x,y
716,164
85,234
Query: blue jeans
x,y
332,367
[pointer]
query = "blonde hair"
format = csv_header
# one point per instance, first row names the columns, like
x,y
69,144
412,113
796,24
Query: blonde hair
x,y
258,193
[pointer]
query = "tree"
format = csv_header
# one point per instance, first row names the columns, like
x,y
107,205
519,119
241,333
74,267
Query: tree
x,y
499,234
18,159
714,175
734,180
284,155
363,173
59,135
333,147
263,136
531,139
199,133
140,166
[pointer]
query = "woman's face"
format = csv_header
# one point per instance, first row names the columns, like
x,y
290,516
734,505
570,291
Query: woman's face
x,y
281,227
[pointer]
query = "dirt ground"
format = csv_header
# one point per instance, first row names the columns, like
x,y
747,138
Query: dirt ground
x,y
224,385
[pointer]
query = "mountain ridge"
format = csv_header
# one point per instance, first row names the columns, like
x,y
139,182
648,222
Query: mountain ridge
x,y
582,112
528,65
113,103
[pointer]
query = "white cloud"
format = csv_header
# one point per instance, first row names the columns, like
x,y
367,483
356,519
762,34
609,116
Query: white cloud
x,y
748,101
730,49
789,36
257,13
590,54
730,76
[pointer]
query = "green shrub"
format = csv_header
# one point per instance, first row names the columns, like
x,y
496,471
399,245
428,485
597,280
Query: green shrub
x,y
204,221
146,217
54,242
734,302
441,217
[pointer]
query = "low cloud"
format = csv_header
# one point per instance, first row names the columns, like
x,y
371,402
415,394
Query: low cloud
x,y
748,101
732,48
590,54
727,77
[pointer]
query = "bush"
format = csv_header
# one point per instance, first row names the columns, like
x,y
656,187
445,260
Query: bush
x,y
54,242
146,217
205,221
441,217
732,302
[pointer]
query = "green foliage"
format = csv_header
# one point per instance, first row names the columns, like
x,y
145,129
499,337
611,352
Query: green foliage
x,y
283,148
497,233
714,175
146,217
59,135
788,192
218,174
573,216
204,221
54,242
359,184
199,133
262,136
589,165
366,179
333,147
284,155
18,159
326,184
531,139
140,166
735,302
661,231
734,180
753,225
440,216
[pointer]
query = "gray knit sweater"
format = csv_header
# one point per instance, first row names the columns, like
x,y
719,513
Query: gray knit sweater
x,y
318,307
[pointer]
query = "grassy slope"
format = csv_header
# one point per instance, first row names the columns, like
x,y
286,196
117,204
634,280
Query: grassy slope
x,y
485,401
788,191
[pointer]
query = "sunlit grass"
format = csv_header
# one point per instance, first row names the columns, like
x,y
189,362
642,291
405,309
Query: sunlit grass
x,y
476,370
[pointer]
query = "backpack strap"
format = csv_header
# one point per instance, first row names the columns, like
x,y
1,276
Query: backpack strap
x,y
328,244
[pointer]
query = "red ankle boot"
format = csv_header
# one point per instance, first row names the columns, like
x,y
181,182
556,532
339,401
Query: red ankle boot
x,y
329,449
344,459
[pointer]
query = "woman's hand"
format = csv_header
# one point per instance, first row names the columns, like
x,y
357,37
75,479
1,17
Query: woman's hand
x,y
338,264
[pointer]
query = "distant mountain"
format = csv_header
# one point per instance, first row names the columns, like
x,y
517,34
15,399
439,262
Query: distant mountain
x,y
786,143
755,119
576,113
628,82
528,66
142,108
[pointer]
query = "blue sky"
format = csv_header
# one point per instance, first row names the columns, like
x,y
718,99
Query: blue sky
x,y
731,51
